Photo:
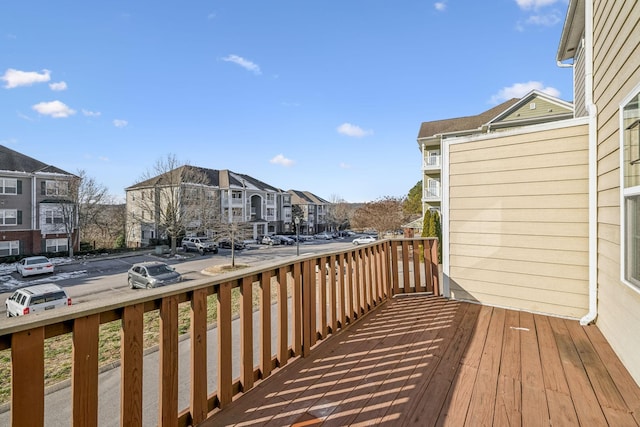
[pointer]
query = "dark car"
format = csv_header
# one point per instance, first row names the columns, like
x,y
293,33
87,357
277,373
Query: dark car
x,y
152,274
226,244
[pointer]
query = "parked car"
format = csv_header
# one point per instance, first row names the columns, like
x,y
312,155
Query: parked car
x,y
363,240
323,236
270,240
226,244
152,274
35,299
34,265
285,240
200,244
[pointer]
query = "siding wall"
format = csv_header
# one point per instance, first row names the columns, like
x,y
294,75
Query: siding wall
x,y
616,58
580,108
518,220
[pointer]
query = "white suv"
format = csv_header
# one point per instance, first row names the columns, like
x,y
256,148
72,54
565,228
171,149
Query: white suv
x,y
35,299
200,244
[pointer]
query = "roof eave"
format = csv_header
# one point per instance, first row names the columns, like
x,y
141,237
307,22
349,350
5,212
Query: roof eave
x,y
571,31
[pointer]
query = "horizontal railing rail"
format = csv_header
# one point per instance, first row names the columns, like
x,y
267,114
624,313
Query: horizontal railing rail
x,y
315,296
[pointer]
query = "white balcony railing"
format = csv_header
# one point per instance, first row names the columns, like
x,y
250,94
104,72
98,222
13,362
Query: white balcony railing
x,y
431,162
431,194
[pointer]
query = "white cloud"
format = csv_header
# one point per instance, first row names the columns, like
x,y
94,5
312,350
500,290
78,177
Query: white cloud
x,y
103,158
244,63
353,130
14,78
518,90
281,160
345,166
91,113
546,20
440,6
55,109
59,86
211,16
119,123
536,4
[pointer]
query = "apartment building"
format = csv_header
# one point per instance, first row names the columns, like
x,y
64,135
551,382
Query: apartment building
x,y
314,211
204,198
37,209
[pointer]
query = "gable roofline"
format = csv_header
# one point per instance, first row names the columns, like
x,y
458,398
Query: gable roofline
x,y
572,31
13,161
221,179
526,99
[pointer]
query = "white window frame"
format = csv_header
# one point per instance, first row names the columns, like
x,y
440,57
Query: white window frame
x,y
8,214
11,246
50,216
4,186
57,245
56,188
629,195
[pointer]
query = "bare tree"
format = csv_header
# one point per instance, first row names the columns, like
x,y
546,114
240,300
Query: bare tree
x,y
174,198
339,213
383,215
79,204
232,231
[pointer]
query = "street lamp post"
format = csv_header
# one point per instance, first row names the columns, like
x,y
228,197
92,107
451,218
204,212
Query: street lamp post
x,y
297,221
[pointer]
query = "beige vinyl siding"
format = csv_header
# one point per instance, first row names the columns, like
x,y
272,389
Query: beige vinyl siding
x,y
518,220
542,107
616,73
579,73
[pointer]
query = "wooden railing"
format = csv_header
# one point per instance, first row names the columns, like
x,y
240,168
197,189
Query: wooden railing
x,y
315,296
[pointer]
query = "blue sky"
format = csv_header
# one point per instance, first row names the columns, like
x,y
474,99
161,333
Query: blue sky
x,y
323,96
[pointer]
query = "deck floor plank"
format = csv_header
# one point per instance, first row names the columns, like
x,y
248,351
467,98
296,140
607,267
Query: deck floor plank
x,y
421,361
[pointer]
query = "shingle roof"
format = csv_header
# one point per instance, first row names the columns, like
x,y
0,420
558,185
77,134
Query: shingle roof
x,y
436,127
302,197
213,177
11,160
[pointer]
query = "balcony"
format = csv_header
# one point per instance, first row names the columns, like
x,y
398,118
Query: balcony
x,y
431,162
431,194
357,337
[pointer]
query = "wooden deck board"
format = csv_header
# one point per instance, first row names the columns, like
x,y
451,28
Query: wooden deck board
x,y
425,361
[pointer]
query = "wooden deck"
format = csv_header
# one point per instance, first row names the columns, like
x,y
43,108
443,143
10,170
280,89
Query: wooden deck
x,y
424,361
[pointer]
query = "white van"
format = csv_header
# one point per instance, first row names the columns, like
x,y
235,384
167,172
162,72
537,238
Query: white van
x,y
34,299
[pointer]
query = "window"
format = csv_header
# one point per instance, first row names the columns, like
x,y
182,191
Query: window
x,y
8,186
9,248
55,188
236,195
8,217
630,159
271,197
57,245
52,216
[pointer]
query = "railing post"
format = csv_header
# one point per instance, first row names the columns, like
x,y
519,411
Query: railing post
x,y
225,386
265,324
306,307
199,405
84,375
246,328
27,378
131,354
168,366
283,321
435,273
298,320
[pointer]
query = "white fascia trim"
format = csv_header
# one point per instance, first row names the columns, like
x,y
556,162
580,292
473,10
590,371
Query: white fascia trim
x,y
559,124
444,216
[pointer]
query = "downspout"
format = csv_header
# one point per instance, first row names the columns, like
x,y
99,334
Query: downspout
x,y
593,158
